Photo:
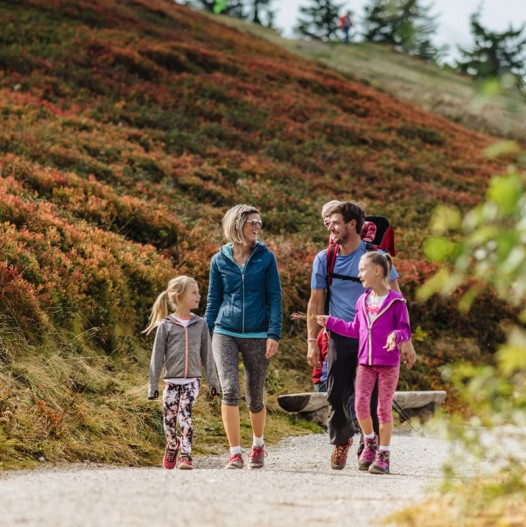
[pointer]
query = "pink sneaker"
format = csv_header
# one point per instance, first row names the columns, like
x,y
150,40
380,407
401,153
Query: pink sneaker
x,y
185,462
370,446
256,458
170,457
381,463
235,461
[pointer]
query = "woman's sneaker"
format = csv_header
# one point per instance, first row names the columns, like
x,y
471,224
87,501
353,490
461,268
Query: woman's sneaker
x,y
339,455
380,464
256,458
170,457
366,458
185,462
235,461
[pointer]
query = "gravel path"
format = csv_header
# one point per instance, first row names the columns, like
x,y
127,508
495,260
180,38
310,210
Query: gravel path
x,y
297,487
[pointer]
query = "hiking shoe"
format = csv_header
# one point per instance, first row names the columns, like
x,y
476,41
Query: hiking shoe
x,y
366,458
185,462
380,464
170,457
256,458
235,461
339,455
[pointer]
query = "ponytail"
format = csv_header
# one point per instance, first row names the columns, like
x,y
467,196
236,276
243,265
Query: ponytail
x,y
160,310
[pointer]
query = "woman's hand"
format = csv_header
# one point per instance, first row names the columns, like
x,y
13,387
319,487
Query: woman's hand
x,y
272,348
322,320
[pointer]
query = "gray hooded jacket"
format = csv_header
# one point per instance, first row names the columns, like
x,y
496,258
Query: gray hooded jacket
x,y
184,352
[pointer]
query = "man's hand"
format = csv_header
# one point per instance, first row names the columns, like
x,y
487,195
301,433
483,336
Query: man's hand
x,y
272,348
408,354
313,354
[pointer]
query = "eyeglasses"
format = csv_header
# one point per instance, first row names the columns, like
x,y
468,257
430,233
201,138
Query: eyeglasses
x,y
255,223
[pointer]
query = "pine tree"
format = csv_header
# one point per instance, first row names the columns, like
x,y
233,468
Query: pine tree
x,y
405,24
319,20
494,54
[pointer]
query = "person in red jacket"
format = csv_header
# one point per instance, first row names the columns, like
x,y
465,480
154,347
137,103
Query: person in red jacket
x,y
345,26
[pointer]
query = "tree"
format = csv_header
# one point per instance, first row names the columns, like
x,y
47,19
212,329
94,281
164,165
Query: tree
x,y
319,20
405,24
494,54
486,250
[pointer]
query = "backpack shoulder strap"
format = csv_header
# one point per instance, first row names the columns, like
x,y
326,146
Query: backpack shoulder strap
x,y
332,252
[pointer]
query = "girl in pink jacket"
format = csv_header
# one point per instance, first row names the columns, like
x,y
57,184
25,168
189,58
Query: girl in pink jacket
x,y
381,324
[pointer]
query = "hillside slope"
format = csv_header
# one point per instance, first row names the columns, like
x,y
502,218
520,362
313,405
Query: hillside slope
x,y
128,128
481,107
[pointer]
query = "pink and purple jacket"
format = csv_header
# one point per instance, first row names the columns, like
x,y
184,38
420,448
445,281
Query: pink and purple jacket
x,y
393,316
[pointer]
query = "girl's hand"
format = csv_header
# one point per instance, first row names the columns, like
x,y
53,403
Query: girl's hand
x,y
390,345
322,320
272,348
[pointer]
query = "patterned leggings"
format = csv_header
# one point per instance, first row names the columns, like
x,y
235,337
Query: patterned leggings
x,y
366,377
178,400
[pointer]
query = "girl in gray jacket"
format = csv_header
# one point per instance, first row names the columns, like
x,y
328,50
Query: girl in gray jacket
x,y
182,347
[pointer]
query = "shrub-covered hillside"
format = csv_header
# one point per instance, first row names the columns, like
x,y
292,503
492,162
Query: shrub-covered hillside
x,y
128,128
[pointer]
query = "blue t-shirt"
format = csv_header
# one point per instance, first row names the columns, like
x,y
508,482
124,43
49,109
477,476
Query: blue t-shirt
x,y
344,293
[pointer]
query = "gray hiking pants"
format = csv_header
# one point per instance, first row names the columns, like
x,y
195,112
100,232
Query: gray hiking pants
x,y
226,352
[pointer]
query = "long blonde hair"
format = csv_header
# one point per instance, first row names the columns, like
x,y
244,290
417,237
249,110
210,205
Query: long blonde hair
x,y
168,299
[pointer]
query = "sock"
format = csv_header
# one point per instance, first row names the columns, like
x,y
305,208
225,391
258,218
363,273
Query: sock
x,y
257,441
235,450
369,436
385,448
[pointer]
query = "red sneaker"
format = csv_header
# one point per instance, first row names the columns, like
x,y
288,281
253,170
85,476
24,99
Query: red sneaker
x,y
256,458
185,462
235,461
170,457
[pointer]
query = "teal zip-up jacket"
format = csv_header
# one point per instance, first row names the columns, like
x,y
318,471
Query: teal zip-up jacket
x,y
245,299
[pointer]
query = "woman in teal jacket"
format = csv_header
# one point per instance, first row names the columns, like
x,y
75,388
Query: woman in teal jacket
x,y
243,313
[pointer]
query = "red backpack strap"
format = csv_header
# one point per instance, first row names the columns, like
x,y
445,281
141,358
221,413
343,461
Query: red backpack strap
x,y
332,252
388,243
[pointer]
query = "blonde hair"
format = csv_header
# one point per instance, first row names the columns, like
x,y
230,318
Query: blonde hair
x,y
382,260
326,209
168,299
234,221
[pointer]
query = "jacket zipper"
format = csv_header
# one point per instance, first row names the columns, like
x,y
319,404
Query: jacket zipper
x,y
243,289
186,352
370,327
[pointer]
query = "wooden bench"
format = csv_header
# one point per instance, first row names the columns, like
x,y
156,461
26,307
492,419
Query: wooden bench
x,y
314,406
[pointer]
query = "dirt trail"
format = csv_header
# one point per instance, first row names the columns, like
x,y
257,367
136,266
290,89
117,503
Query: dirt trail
x,y
297,487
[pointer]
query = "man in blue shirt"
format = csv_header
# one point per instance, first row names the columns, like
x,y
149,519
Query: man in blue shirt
x,y
346,224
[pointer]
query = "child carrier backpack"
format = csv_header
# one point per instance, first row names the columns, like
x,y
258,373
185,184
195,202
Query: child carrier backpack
x,y
383,240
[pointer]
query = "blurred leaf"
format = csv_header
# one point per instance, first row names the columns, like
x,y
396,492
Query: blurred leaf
x,y
439,249
445,218
506,191
502,148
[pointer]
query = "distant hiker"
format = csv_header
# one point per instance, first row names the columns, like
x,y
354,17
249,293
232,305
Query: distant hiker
x,y
244,315
345,228
381,324
182,346
345,26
